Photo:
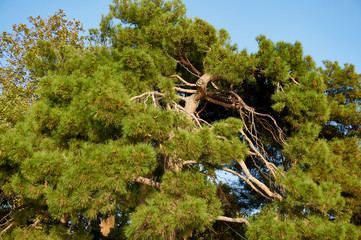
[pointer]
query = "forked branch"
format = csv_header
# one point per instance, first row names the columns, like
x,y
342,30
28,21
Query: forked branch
x,y
147,94
189,64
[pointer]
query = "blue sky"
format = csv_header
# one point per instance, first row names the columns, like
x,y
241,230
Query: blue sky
x,y
327,29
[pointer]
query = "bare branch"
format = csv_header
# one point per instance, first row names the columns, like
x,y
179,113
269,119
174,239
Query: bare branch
x,y
247,180
189,64
154,101
226,105
270,166
182,98
190,162
6,229
177,106
279,130
182,80
293,80
180,63
214,85
147,93
257,182
201,109
234,220
185,90
4,218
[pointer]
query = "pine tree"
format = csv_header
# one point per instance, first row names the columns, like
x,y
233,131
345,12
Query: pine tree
x,y
127,138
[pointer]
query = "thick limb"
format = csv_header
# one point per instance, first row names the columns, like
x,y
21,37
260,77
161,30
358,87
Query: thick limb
x,y
147,181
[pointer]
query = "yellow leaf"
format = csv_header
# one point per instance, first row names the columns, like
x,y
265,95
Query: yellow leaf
x,y
106,225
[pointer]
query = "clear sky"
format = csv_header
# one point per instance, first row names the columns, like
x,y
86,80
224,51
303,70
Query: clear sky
x,y
327,29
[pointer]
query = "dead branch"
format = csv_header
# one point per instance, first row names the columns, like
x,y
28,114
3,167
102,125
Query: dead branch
x,y
188,64
6,229
249,116
180,63
147,94
293,80
214,85
279,130
189,162
247,180
265,175
155,103
4,218
270,166
234,220
257,182
197,120
226,105
185,90
201,110
182,80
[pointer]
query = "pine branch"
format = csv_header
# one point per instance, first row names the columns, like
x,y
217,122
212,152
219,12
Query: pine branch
x,y
147,94
190,162
257,182
247,180
183,81
234,220
185,90
270,166
219,103
6,229
294,80
147,181
189,64
38,221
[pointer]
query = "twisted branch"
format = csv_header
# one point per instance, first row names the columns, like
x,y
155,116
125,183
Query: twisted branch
x,y
249,116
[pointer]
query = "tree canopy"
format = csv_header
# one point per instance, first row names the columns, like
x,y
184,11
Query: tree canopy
x,y
128,136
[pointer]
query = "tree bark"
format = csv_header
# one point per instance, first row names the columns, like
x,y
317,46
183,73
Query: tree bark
x,y
147,181
192,102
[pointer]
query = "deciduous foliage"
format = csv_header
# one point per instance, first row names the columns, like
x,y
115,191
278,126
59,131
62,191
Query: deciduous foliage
x,y
127,138
27,54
